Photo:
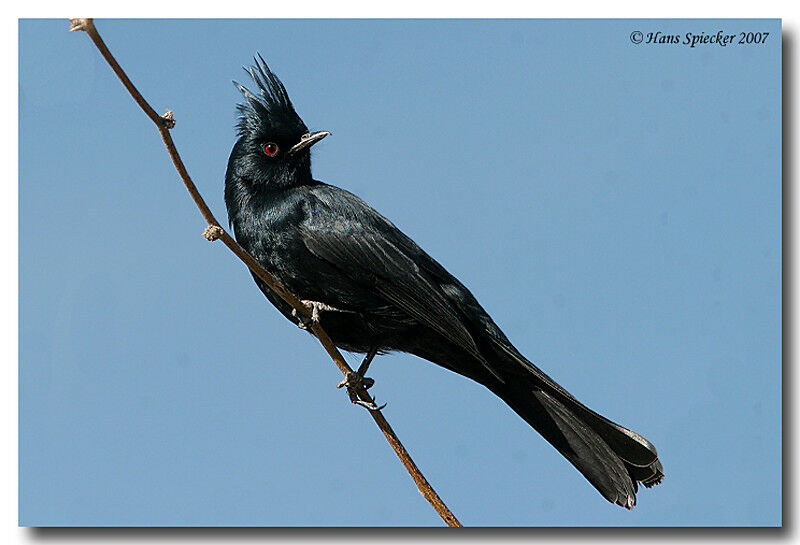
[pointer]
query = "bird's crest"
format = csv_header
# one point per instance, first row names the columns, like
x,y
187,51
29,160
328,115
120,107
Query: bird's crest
x,y
270,109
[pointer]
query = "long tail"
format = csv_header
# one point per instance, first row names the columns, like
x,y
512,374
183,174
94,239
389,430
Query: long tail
x,y
614,459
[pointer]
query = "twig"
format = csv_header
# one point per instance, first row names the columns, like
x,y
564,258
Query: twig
x,y
215,231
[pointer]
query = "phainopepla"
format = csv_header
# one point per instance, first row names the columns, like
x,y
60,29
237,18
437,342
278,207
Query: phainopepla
x,y
374,290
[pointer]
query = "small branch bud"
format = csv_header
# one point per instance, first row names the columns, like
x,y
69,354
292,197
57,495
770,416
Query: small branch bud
x,y
213,232
80,24
168,120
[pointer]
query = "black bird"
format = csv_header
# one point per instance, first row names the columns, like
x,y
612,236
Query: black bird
x,y
374,290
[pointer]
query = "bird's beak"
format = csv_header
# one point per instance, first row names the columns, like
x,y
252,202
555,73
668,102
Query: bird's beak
x,y
308,140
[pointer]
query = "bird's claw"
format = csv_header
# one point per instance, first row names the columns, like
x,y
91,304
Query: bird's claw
x,y
369,405
303,322
352,382
314,307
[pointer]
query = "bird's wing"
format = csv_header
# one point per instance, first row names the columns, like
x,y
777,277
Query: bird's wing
x,y
375,262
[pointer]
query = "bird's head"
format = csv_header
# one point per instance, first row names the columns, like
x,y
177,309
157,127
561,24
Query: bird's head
x,y
274,143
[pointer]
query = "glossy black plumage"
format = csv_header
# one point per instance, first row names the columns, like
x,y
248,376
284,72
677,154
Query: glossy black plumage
x,y
326,245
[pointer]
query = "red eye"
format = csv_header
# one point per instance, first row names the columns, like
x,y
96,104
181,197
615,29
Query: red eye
x,y
271,149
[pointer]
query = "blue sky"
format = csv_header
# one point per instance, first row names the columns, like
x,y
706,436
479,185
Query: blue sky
x,y
614,206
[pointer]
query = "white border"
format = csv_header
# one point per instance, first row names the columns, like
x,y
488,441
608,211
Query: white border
x,y
9,532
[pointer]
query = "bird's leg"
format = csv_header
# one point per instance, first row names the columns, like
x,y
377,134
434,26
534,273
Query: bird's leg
x,y
315,307
355,379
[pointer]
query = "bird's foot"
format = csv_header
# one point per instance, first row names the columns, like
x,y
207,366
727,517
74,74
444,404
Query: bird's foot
x,y
314,307
303,322
353,382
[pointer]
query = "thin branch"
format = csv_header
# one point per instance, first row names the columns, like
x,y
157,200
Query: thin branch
x,y
215,231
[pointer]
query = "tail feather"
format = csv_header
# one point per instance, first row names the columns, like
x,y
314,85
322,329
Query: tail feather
x,y
632,447
591,455
597,447
613,459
